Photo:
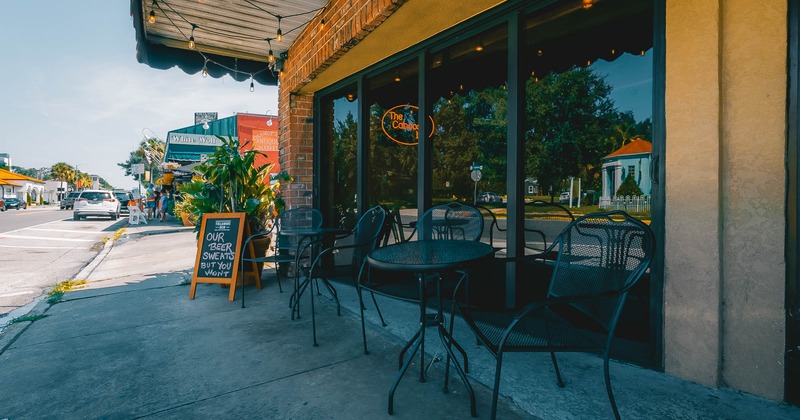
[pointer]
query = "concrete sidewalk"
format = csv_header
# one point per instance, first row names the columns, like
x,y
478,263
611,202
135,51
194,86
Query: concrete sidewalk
x,y
131,344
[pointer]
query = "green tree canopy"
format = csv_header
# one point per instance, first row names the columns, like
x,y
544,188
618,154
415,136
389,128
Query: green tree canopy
x,y
629,187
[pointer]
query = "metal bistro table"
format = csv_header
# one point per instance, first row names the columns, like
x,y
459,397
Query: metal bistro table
x,y
308,237
424,257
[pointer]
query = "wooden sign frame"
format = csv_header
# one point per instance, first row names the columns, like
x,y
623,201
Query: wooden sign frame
x,y
237,249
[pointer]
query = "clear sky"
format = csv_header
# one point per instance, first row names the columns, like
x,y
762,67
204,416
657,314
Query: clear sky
x,y
72,91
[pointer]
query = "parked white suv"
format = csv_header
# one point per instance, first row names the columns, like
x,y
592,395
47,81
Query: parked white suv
x,y
96,203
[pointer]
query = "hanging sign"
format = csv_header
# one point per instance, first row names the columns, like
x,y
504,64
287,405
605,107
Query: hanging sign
x,y
399,123
218,250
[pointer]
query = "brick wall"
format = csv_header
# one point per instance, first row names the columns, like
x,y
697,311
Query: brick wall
x,y
347,23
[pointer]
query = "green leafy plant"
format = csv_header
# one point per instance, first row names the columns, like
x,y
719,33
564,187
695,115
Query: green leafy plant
x,y
629,187
231,182
26,318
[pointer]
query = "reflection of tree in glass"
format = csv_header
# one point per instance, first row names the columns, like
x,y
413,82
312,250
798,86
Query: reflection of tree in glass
x,y
463,137
392,166
571,124
344,158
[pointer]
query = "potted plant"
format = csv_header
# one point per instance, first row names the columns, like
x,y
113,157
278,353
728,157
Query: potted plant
x,y
230,182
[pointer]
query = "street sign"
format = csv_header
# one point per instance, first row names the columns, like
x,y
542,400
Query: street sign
x,y
137,168
475,175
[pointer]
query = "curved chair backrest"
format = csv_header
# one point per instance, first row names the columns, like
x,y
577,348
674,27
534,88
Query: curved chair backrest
x,y
301,217
542,221
450,221
366,233
603,255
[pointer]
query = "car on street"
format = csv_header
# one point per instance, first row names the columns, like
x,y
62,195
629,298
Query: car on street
x,y
96,203
123,197
488,197
564,197
67,202
15,203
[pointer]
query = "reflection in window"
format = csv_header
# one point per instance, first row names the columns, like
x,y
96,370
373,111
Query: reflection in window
x,y
339,139
393,138
589,95
469,108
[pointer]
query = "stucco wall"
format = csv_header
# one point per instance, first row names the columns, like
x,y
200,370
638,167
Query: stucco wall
x,y
754,44
725,180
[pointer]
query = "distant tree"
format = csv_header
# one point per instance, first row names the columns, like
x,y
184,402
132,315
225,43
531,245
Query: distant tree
x,y
150,152
629,187
63,172
570,120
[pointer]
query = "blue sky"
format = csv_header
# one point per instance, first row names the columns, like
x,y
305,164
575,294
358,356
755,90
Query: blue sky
x,y
72,90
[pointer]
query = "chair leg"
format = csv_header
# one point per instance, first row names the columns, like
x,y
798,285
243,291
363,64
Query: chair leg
x,y
278,275
313,311
496,391
380,315
363,327
558,372
608,388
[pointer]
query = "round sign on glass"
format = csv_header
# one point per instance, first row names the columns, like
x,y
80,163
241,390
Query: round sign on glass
x,y
399,123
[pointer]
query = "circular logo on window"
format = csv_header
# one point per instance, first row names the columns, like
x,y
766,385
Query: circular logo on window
x,y
399,123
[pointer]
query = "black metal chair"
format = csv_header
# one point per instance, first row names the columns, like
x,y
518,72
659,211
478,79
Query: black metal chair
x,y
286,247
361,241
599,258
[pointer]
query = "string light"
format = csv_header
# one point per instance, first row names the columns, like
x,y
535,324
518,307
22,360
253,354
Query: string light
x,y
322,24
587,4
274,66
270,56
152,17
191,38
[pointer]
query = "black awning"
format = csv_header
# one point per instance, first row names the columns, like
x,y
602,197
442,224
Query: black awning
x,y
163,57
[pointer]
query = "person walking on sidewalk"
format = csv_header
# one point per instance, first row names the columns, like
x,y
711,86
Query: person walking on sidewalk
x,y
163,203
151,202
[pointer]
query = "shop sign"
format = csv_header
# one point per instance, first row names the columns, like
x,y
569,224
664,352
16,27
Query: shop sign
x,y
400,124
198,139
201,117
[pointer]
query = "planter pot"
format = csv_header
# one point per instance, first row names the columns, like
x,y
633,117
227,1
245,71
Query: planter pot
x,y
186,221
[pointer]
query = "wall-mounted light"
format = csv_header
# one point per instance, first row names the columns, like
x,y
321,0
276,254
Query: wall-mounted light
x,y
397,77
269,122
205,125
350,97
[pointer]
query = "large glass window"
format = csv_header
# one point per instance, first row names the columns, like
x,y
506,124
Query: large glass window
x,y
588,126
393,138
339,140
468,91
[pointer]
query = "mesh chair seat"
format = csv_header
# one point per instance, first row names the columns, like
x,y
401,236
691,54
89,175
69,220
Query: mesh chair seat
x,y
545,332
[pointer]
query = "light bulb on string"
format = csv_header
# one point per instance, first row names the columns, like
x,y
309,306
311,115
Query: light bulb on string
x,y
279,35
322,24
270,55
191,38
205,68
152,17
252,86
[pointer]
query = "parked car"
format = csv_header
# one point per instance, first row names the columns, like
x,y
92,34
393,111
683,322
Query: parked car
x,y
488,197
96,203
67,202
15,203
123,198
564,197
2,204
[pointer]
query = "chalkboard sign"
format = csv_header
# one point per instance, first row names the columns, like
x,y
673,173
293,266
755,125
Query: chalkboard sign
x,y
218,250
